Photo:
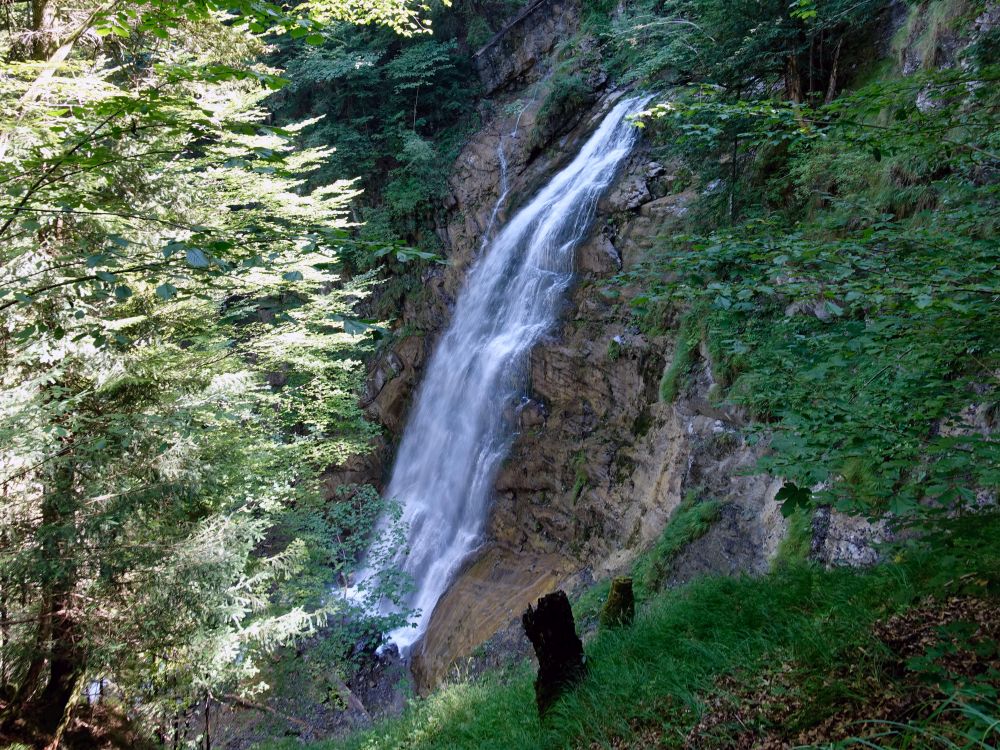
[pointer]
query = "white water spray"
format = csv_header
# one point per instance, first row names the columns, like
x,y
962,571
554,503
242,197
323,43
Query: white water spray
x,y
460,427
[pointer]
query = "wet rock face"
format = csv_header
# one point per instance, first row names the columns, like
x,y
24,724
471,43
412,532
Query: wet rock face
x,y
392,377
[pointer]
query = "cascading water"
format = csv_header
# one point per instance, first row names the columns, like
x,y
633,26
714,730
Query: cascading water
x,y
460,429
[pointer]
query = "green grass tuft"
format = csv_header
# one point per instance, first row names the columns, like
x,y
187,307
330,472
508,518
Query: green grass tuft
x,y
677,375
690,521
797,542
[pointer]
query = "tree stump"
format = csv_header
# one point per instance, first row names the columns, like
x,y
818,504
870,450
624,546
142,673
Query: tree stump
x,y
619,609
551,630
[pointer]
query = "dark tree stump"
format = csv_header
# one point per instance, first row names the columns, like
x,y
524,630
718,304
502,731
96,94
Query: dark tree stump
x,y
551,630
619,609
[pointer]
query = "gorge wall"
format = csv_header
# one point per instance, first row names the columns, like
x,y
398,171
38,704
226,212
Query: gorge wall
x,y
600,462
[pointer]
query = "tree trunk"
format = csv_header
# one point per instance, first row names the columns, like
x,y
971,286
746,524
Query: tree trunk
x,y
59,635
793,80
32,678
5,589
64,723
561,662
65,670
619,609
831,89
43,32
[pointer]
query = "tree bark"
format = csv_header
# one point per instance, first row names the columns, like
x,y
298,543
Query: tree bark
x,y
619,609
43,31
57,641
793,80
831,89
32,678
561,662
65,670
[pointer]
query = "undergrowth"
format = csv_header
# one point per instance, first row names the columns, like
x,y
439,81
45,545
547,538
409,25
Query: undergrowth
x,y
676,376
692,519
826,637
796,544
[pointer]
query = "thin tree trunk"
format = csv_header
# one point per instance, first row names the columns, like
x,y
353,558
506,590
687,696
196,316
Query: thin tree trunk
x,y
4,615
52,64
831,89
793,80
43,31
235,700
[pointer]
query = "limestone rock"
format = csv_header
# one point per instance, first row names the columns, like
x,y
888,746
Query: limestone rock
x,y
531,414
842,540
392,380
598,256
653,170
627,196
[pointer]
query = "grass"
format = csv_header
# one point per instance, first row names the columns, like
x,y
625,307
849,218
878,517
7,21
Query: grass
x,y
796,545
650,571
659,680
691,520
677,374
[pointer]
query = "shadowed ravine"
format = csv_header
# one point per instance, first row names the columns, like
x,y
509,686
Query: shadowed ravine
x,y
460,427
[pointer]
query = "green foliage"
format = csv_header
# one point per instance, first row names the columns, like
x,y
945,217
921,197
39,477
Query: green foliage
x,y
796,545
853,312
675,376
741,46
615,348
178,365
566,95
690,521
396,112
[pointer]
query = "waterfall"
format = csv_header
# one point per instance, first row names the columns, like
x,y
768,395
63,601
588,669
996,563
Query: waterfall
x,y
460,429
504,189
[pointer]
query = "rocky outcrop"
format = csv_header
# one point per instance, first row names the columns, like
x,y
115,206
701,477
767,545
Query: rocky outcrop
x,y
392,377
514,53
